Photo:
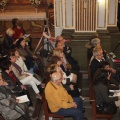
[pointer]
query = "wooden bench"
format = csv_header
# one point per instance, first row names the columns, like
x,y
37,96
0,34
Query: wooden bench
x,y
47,112
95,113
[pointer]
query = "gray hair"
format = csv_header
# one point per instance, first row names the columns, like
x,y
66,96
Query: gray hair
x,y
96,51
95,41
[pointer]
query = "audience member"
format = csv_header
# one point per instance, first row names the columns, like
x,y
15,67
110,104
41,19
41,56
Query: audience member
x,y
66,72
94,41
59,101
66,67
95,63
67,83
25,53
17,87
20,32
67,50
105,103
104,65
20,62
10,108
9,42
25,78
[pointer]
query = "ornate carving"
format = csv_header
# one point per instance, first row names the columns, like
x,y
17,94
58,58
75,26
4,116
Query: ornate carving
x,y
19,1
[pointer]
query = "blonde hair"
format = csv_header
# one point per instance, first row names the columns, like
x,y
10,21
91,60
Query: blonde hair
x,y
57,52
10,31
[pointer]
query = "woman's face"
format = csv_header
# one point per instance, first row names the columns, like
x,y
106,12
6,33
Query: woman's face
x,y
17,53
18,27
61,55
60,45
58,69
98,44
59,63
13,59
22,43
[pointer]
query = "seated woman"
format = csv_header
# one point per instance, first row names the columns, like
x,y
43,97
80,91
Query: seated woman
x,y
66,67
66,73
25,78
67,50
9,42
17,88
26,54
20,62
69,86
19,31
10,108
104,103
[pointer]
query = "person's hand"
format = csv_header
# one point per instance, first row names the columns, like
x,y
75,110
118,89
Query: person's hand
x,y
74,105
118,97
71,87
27,75
23,58
14,42
21,34
34,56
2,83
17,100
42,85
23,87
112,70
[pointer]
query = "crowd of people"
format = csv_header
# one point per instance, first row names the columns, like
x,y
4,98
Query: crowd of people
x,y
104,78
62,92
18,68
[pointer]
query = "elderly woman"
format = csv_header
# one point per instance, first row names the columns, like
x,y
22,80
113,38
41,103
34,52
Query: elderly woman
x,y
9,41
94,42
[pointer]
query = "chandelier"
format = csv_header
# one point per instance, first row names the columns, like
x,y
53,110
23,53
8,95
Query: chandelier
x,y
3,4
36,4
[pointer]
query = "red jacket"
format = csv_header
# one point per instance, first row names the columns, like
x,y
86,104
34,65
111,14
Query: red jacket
x,y
18,32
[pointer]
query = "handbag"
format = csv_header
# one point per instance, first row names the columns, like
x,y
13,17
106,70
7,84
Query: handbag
x,y
109,108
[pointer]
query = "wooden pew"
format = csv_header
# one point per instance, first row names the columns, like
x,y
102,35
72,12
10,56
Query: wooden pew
x,y
95,113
